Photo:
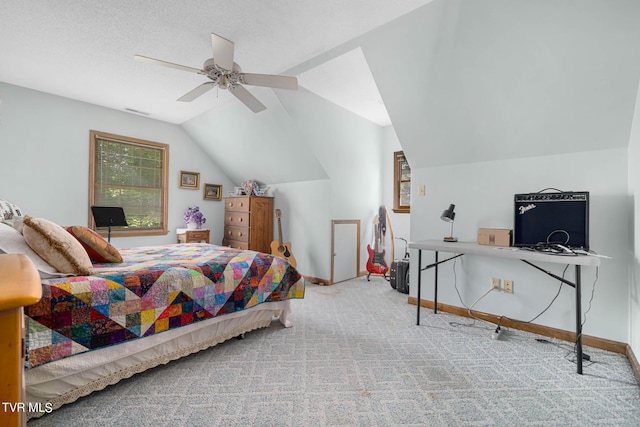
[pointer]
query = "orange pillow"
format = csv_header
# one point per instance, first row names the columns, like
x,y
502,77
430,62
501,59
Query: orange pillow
x,y
98,249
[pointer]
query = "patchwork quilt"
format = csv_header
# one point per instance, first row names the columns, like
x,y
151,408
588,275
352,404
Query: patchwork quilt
x,y
155,289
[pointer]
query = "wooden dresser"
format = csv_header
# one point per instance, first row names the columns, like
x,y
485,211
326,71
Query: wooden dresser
x,y
19,287
248,223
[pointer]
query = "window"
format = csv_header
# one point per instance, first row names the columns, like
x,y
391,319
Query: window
x,y
132,174
401,183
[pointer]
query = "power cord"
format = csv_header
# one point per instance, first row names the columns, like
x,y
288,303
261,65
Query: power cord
x,y
539,314
570,350
573,350
584,316
498,331
470,308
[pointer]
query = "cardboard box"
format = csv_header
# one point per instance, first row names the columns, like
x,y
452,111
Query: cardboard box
x,y
494,236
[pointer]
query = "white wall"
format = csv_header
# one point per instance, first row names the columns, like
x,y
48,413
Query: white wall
x,y
349,149
512,96
302,135
468,81
634,227
44,160
483,194
399,221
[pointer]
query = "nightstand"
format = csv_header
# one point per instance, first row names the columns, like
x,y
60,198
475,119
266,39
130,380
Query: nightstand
x,y
186,235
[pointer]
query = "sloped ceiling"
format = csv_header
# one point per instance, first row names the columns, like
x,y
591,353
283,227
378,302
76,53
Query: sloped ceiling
x,y
269,150
467,81
83,49
462,81
347,81
478,81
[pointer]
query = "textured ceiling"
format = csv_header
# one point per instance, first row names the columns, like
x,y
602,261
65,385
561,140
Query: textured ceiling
x,y
84,49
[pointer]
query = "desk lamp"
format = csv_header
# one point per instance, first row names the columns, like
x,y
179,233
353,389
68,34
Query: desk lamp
x,y
107,216
447,216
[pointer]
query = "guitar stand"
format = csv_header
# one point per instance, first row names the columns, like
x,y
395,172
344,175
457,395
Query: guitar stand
x,y
376,274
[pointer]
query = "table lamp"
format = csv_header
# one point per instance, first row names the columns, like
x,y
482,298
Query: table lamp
x,y
447,216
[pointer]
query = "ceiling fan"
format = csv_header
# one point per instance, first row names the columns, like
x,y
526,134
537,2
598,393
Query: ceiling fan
x,y
226,74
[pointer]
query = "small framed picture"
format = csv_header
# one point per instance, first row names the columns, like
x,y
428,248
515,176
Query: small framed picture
x,y
190,180
212,192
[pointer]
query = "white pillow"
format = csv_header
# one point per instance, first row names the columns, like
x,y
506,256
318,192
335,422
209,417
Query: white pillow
x,y
12,242
11,214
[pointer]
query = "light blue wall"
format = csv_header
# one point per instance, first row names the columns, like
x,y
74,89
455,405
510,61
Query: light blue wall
x,y
483,195
320,161
44,160
634,228
503,96
399,222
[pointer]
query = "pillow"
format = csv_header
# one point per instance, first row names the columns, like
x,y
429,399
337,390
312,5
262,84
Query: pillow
x,y
98,249
12,242
11,214
56,246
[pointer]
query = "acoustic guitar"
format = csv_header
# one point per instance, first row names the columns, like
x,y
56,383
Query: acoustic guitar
x,y
280,249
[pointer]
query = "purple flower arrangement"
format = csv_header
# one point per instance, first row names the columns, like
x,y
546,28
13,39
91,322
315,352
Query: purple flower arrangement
x,y
193,214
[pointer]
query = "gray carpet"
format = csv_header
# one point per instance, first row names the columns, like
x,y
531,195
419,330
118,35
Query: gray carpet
x,y
356,358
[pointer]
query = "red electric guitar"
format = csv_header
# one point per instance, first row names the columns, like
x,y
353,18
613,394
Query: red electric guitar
x,y
376,263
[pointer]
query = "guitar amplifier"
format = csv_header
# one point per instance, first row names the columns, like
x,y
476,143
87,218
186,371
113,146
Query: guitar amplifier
x,y
399,277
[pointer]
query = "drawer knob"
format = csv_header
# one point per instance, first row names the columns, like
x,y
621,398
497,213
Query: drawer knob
x,y
241,219
229,233
240,233
230,218
241,204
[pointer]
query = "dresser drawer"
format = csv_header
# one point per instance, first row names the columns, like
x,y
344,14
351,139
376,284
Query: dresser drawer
x,y
193,236
236,218
237,204
236,233
235,244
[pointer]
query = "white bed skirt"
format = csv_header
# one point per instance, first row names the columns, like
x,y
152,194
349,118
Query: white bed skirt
x,y
64,381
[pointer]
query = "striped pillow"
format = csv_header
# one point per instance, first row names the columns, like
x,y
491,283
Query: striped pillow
x,y
98,249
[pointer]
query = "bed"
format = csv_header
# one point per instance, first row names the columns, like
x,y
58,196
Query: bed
x,y
160,304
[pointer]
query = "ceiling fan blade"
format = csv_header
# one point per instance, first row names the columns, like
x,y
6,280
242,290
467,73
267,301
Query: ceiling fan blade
x,y
269,80
200,90
247,98
167,64
222,51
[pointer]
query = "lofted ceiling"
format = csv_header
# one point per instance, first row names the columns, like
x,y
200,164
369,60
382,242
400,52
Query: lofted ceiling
x,y
83,49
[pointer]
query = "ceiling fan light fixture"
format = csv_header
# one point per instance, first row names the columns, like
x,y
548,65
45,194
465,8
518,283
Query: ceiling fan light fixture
x,y
227,74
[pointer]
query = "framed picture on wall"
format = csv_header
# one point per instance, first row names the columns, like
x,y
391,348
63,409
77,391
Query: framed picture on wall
x,y
189,180
212,192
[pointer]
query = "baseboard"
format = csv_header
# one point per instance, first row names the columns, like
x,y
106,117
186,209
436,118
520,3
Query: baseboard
x,y
595,342
326,282
634,363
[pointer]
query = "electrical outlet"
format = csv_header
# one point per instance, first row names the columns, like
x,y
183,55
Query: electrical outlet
x,y
495,284
508,286
422,190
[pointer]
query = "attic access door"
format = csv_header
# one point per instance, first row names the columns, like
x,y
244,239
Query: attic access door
x,y
345,249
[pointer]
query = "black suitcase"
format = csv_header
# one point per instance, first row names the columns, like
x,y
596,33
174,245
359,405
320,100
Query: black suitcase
x,y
399,277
